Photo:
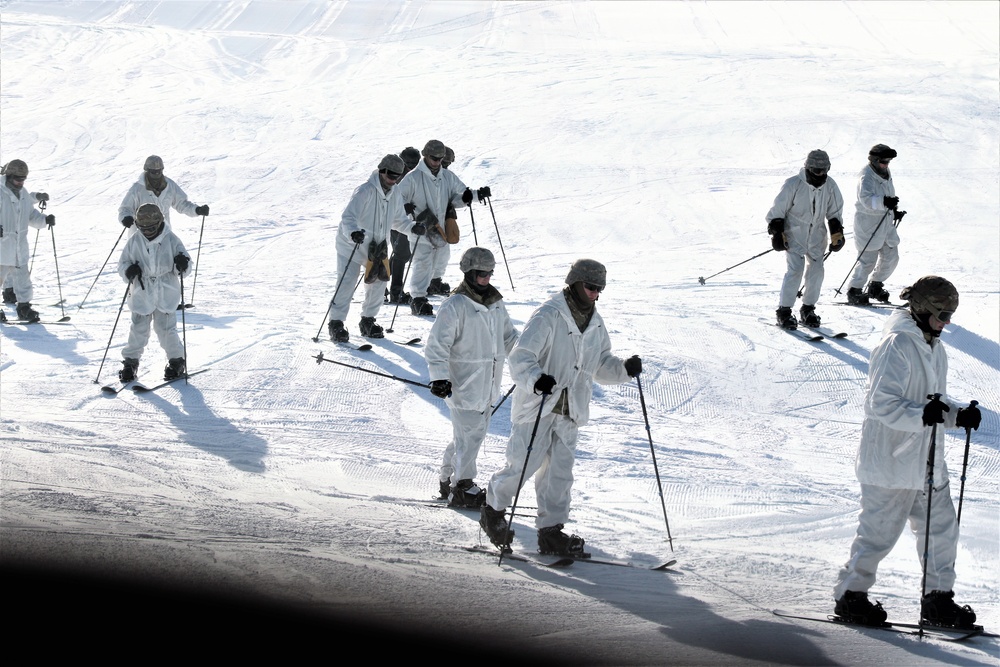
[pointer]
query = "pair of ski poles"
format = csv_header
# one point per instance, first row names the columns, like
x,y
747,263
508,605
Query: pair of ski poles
x,y
485,196
55,255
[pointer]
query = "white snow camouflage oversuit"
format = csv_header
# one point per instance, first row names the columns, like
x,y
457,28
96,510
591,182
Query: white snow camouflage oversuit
x,y
874,228
552,344
17,214
805,210
468,345
375,212
171,196
155,299
426,191
892,459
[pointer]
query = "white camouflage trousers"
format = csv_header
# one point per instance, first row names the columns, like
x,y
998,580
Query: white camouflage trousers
x,y
468,433
347,279
165,326
884,260
797,264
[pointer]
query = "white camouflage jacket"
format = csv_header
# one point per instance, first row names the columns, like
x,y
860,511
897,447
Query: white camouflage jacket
x,y
806,210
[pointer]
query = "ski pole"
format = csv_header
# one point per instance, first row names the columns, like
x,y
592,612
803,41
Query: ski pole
x,y
504,398
320,358
197,260
702,279
513,508
406,274
656,469
34,248
97,380
965,465
499,240
930,491
55,255
851,270
798,294
339,283
475,239
102,268
184,338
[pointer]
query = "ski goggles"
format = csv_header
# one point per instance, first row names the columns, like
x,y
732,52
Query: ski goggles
x,y
593,288
391,175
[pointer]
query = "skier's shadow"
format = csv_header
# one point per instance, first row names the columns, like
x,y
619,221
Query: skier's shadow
x,y
202,428
41,340
972,344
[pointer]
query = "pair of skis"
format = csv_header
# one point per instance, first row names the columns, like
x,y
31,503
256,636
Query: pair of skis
x,y
565,561
944,633
138,388
811,334
365,347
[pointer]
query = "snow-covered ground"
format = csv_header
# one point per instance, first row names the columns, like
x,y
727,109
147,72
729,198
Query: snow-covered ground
x,y
650,136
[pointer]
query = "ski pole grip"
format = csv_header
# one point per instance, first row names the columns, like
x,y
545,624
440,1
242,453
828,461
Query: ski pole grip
x,y
973,404
934,397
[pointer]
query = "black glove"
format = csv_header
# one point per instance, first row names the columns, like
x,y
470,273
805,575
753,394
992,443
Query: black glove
x,y
50,220
467,196
201,210
128,221
545,384
483,192
898,215
633,365
42,196
969,417
427,216
182,262
890,202
934,412
836,234
358,236
133,272
419,229
409,208
441,388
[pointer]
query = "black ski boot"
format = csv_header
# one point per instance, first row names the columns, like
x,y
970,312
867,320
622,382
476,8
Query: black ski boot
x,y
371,330
420,306
808,316
855,607
397,295
338,334
785,318
438,286
8,296
938,608
465,493
494,523
174,369
444,490
552,541
129,371
856,297
877,291
26,312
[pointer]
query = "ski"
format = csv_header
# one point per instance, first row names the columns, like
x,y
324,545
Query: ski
x,y
662,567
30,322
411,341
522,558
826,331
364,347
116,388
933,631
141,389
811,337
889,306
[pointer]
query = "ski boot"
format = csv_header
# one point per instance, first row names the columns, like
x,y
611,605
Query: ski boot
x,y
397,295
338,334
856,297
444,490
494,523
877,291
420,306
26,312
808,316
437,286
855,607
8,296
174,369
466,494
371,330
938,608
785,318
3,316
553,541
129,371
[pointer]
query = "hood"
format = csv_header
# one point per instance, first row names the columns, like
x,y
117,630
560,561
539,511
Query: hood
x,y
901,322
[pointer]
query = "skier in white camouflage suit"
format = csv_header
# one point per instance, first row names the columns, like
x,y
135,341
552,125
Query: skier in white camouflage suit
x,y
562,351
17,213
152,187
906,367
466,351
875,235
375,209
796,226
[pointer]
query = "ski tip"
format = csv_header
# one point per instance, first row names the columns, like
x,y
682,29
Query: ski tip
x,y
363,348
413,341
64,319
109,390
664,566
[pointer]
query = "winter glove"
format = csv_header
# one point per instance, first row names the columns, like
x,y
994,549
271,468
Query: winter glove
x,y
836,234
969,417
419,229
483,192
776,228
633,365
42,196
409,208
897,216
128,221
441,388
545,384
427,217
201,210
934,411
133,272
467,197
358,236
890,202
50,220
182,262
